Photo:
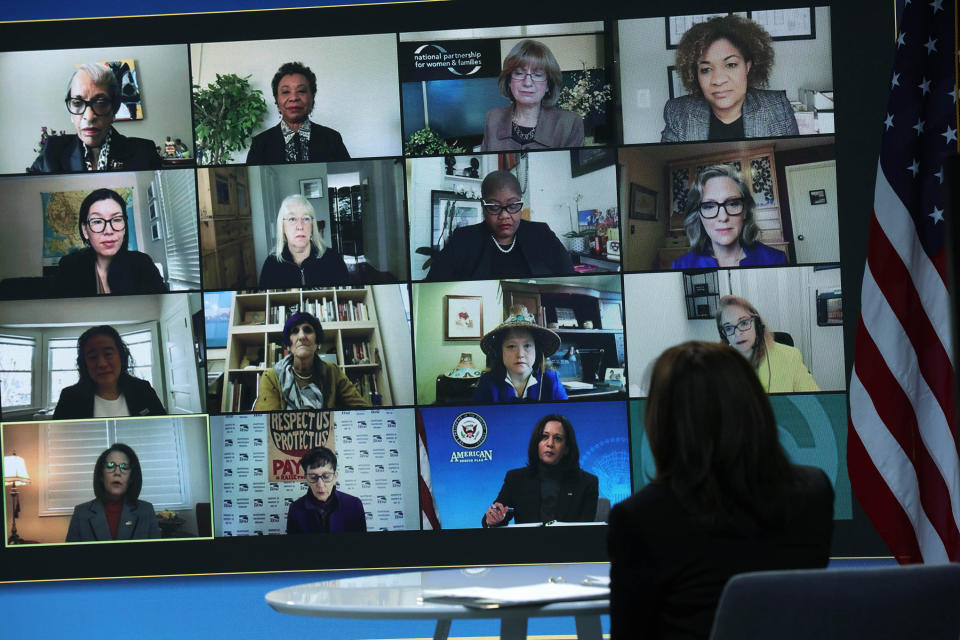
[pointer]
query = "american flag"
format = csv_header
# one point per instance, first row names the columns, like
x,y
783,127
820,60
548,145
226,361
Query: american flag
x,y
429,520
902,450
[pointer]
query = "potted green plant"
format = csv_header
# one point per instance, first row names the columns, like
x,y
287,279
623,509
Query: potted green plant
x,y
225,114
427,143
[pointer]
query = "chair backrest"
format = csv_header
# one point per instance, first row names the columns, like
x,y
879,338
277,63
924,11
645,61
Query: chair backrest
x,y
920,601
783,338
603,510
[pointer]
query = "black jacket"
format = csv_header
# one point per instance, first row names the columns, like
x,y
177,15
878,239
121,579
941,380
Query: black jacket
x,y
667,571
77,401
129,272
469,253
65,153
579,492
327,270
326,145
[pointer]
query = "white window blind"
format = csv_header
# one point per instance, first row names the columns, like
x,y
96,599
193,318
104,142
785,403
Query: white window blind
x,y
61,366
71,450
16,371
178,209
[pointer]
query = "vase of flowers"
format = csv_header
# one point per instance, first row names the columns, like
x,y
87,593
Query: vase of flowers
x,y
169,522
587,96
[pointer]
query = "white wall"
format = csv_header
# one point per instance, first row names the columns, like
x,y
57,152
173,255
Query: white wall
x,y
395,334
162,72
21,243
528,31
644,59
357,83
551,194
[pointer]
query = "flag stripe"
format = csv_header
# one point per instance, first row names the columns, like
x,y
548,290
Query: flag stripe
x,y
894,410
899,229
428,505
895,469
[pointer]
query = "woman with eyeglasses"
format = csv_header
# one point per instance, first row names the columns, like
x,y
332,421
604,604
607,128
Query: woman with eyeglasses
x,y
503,245
720,224
106,389
725,499
106,265
324,509
780,367
530,78
300,258
93,99
115,513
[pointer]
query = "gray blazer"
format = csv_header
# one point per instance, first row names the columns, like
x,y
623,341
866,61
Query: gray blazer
x,y
556,129
89,522
766,114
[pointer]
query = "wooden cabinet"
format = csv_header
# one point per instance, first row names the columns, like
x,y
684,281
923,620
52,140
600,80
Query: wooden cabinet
x,y
351,339
226,230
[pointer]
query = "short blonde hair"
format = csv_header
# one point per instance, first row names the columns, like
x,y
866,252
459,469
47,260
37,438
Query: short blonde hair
x,y
535,55
315,238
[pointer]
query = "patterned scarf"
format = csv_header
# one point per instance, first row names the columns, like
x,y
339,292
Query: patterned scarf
x,y
295,397
103,160
296,143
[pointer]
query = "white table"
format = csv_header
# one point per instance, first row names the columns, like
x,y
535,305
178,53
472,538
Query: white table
x,y
399,596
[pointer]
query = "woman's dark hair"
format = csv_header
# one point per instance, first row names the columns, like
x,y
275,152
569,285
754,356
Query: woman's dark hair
x,y
495,356
699,240
571,457
289,68
752,40
94,197
134,484
103,330
714,439
317,457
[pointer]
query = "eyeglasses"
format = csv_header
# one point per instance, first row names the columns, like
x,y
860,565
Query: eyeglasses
x,y
78,106
304,220
123,466
98,225
327,478
710,209
741,326
494,208
536,76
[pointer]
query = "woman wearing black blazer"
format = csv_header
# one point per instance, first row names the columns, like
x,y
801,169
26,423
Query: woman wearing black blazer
x,y
552,486
725,499
105,389
296,138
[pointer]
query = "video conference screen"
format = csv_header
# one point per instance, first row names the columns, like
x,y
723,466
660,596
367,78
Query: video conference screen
x,y
354,280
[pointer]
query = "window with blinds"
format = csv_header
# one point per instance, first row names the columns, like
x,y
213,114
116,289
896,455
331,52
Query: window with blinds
x,y
16,371
71,450
177,193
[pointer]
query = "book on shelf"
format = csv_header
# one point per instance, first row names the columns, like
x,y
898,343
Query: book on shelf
x,y
359,352
366,385
352,311
242,389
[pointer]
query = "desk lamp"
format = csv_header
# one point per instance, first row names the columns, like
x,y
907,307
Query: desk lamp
x,y
14,474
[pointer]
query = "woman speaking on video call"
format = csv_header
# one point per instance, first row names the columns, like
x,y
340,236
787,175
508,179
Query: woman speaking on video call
x,y
552,486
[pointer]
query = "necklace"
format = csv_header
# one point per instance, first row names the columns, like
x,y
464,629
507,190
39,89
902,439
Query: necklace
x,y
501,249
307,377
522,134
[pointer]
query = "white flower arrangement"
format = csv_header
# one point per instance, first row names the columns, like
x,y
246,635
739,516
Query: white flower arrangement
x,y
584,98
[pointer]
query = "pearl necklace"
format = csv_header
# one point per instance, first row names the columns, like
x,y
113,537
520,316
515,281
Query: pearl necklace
x,y
501,249
308,377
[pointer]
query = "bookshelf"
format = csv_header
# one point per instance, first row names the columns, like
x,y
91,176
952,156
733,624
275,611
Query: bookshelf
x,y
351,339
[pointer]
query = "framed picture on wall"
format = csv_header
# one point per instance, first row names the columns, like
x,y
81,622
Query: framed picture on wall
x,y
787,24
675,83
678,25
462,317
449,212
643,203
312,188
583,161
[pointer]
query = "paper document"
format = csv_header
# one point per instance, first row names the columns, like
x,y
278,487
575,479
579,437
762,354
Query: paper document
x,y
576,384
493,597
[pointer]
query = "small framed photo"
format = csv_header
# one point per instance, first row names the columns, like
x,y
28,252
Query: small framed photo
x,y
675,83
678,25
312,188
830,308
584,161
614,375
643,203
155,230
787,24
462,317
449,212
818,196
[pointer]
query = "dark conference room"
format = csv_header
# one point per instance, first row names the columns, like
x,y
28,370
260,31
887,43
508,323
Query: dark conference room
x,y
731,289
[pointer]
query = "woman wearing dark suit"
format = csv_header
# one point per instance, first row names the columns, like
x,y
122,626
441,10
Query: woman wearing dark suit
x,y
552,486
324,509
724,64
93,99
115,513
531,79
503,245
296,138
106,265
105,389
725,499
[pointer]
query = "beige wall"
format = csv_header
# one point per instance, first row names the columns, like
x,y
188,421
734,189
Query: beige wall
x,y
642,238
